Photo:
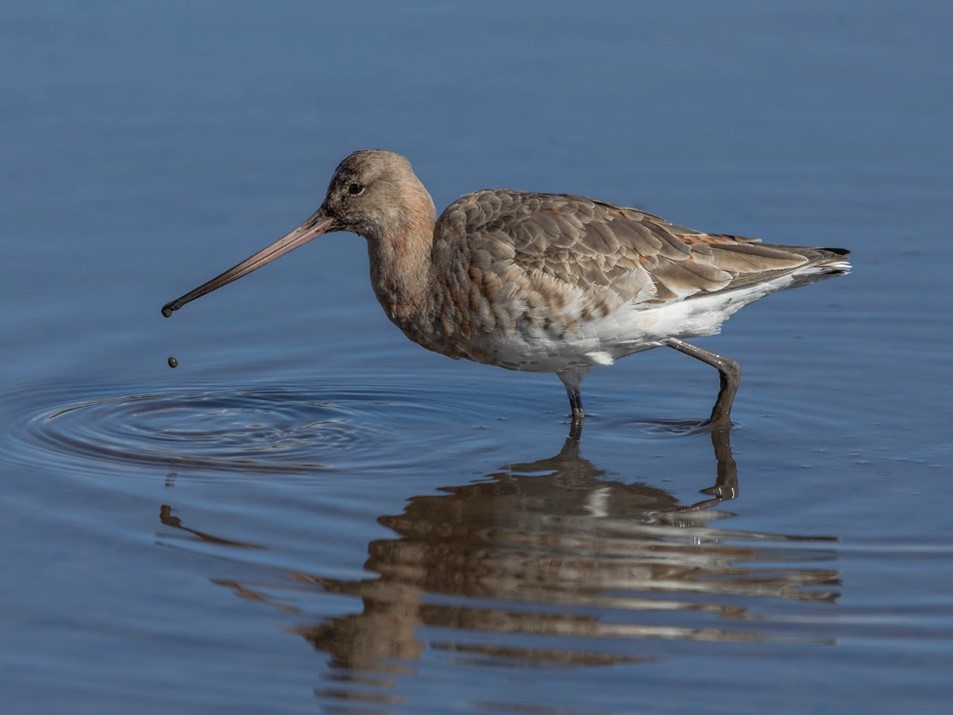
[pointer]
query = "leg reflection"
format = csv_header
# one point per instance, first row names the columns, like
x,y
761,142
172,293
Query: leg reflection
x,y
554,547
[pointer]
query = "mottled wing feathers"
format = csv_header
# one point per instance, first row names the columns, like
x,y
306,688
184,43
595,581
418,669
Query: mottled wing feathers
x,y
609,254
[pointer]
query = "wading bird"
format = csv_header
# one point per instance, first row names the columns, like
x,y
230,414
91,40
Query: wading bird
x,y
542,282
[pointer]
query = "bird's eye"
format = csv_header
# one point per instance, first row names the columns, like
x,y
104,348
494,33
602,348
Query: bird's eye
x,y
355,189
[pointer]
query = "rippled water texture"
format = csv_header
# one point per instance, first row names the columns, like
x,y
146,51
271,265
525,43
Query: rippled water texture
x,y
263,430
552,563
311,514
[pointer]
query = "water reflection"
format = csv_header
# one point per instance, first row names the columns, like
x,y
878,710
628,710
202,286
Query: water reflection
x,y
554,562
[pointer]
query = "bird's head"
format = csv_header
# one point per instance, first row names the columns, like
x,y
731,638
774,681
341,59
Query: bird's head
x,y
373,193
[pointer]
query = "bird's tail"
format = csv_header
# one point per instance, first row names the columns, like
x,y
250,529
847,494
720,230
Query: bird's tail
x,y
822,263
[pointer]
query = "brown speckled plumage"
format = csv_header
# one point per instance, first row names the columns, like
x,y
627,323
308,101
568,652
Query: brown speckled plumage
x,y
546,282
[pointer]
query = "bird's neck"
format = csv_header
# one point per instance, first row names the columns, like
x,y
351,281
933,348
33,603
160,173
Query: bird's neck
x,y
401,260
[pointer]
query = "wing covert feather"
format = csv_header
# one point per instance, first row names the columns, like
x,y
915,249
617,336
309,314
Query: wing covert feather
x,y
604,254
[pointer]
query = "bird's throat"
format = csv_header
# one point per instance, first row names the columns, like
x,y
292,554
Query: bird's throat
x,y
401,273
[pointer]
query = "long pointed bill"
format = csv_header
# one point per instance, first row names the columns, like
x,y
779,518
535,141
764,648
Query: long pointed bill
x,y
309,230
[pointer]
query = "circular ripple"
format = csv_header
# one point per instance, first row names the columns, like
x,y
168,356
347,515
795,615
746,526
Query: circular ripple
x,y
263,430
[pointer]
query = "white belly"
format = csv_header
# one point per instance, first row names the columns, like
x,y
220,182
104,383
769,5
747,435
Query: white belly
x,y
628,330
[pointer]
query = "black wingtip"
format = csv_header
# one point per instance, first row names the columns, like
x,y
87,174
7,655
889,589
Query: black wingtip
x,y
838,251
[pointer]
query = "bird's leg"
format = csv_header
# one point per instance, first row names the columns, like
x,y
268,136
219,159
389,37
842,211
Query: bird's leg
x,y
571,380
728,371
575,402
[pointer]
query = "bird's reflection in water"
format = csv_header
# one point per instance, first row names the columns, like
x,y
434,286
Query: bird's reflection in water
x,y
556,548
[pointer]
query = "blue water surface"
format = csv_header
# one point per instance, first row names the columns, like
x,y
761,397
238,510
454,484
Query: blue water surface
x,y
313,514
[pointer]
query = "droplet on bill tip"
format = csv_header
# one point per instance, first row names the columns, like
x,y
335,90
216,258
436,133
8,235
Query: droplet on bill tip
x,y
173,362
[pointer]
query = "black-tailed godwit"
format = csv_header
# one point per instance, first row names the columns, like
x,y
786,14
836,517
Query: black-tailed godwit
x,y
542,282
